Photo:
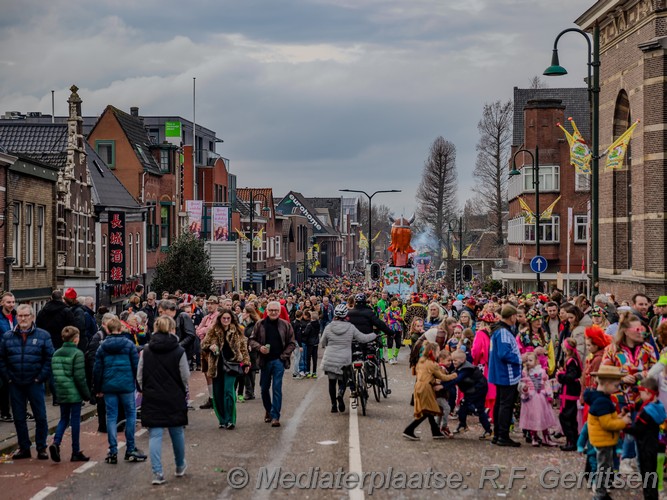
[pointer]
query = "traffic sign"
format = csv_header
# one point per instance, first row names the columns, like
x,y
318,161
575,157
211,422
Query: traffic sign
x,y
538,264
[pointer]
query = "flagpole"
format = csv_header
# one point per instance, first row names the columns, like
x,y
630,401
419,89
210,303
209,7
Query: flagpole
x,y
569,243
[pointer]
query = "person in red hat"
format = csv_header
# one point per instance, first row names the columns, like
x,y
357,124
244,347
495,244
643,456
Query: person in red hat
x,y
596,342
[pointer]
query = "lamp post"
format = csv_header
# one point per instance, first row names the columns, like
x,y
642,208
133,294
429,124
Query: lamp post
x,y
252,219
594,96
370,224
536,184
451,227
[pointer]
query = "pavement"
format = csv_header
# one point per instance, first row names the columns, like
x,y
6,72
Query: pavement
x,y
314,455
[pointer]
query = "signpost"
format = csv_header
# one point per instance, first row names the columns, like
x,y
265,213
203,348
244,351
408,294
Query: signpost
x,y
538,264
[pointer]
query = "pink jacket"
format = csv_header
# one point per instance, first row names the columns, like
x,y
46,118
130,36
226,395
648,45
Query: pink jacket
x,y
206,323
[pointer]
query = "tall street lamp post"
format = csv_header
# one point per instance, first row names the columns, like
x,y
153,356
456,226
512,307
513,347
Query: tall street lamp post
x,y
253,195
370,223
536,184
594,95
451,227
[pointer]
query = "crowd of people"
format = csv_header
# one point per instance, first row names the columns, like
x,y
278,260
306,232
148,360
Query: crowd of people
x,y
587,376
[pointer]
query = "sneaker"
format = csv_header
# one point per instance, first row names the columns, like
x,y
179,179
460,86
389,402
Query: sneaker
x,y
275,423
571,447
460,430
341,403
54,451
135,456
6,418
79,457
158,479
447,432
302,375
536,443
112,458
30,416
314,375
308,375
208,405
42,454
508,442
267,417
334,408
295,375
240,399
439,435
180,471
411,437
21,454
486,435
230,427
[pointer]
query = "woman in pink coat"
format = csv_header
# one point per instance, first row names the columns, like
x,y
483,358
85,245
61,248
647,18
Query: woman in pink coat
x,y
480,354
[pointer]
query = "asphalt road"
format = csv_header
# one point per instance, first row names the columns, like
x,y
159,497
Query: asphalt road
x,y
314,455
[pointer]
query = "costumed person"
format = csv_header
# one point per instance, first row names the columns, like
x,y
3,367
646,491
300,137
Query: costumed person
x,y
596,342
569,378
426,407
415,310
473,387
394,319
534,338
536,414
480,355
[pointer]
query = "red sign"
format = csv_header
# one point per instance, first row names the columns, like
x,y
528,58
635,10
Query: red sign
x,y
124,289
116,248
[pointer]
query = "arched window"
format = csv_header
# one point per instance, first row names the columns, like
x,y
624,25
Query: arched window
x,y
137,242
105,257
622,189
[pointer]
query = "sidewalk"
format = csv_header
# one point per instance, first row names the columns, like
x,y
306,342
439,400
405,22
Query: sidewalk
x,y
8,440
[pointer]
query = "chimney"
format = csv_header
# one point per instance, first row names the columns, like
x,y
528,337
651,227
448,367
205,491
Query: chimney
x,y
134,111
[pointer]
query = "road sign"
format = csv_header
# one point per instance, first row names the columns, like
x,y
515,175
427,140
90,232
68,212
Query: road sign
x,y
538,264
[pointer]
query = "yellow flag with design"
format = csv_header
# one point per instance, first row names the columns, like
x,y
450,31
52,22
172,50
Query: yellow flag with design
x,y
616,152
580,153
546,215
455,252
467,250
528,215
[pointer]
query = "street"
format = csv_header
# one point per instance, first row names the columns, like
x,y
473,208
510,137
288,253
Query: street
x,y
312,448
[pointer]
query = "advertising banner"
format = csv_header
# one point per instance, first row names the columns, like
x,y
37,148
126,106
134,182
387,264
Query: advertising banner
x,y
194,209
220,224
400,281
172,133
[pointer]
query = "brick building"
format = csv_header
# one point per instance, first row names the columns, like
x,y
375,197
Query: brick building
x,y
6,161
536,126
633,201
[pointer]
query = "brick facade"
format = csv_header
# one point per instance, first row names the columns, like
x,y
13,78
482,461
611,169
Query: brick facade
x,y
633,77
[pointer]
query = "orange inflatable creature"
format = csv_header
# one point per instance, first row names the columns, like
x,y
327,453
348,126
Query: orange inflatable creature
x,y
400,240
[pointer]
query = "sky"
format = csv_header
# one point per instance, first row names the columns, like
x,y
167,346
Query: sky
x,y
308,95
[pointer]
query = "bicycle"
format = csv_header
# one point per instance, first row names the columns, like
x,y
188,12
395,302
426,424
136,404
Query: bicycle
x,y
376,371
359,385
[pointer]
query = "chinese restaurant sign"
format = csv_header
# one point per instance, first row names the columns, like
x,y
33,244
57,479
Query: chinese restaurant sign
x,y
116,248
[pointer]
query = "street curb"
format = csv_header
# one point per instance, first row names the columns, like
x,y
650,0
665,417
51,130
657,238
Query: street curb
x,y
10,444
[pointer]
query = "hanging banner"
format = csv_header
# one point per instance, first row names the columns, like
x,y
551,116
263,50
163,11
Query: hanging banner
x,y
528,215
616,152
194,209
173,134
580,153
116,228
400,281
220,226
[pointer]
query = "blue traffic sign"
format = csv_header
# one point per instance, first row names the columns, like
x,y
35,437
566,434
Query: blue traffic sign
x,y
538,264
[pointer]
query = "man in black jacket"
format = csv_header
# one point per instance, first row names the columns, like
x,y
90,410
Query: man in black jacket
x,y
54,316
185,329
364,318
151,310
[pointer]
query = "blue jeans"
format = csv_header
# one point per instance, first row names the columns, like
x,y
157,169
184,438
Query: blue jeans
x,y
177,435
272,374
70,414
20,396
111,402
297,361
302,361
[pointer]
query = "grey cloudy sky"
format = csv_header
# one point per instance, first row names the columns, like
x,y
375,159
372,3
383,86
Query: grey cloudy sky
x,y
310,95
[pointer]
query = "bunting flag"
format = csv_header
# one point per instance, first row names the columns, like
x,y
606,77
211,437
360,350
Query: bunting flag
x,y
467,250
455,252
242,236
315,265
616,152
257,240
376,237
316,247
363,241
580,153
528,215
546,215
444,253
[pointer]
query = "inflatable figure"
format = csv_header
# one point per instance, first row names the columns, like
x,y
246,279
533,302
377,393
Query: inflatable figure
x,y
400,240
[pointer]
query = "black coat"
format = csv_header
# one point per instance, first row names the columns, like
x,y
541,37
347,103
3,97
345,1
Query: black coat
x,y
53,317
164,395
185,331
311,334
365,320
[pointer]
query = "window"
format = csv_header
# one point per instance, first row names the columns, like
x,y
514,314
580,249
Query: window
x,y
16,247
582,182
105,256
107,151
75,239
29,247
164,226
581,229
154,135
137,242
278,241
85,237
130,255
520,232
165,161
40,235
140,150
549,178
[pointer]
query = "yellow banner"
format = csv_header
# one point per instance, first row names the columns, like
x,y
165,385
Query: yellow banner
x,y
546,215
616,152
455,252
528,215
580,153
363,241
467,250
242,236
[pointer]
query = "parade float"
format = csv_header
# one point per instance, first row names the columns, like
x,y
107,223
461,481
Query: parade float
x,y
400,278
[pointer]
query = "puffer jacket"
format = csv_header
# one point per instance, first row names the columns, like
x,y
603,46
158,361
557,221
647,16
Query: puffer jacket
x,y
365,320
604,424
24,363
337,338
115,367
69,374
5,326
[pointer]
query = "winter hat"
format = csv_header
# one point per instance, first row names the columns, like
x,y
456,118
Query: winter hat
x,y
70,293
507,311
598,336
662,301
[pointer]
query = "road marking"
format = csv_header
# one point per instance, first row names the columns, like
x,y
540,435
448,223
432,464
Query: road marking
x,y
85,467
44,493
140,432
355,453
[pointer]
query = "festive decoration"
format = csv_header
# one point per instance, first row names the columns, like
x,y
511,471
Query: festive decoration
x,y
528,215
466,252
401,234
546,215
580,153
616,152
257,240
242,236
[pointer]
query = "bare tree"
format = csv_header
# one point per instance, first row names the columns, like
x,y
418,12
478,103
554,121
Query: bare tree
x,y
493,149
436,196
380,214
537,83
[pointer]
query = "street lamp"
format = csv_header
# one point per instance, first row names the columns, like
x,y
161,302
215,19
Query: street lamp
x,y
451,227
370,226
252,218
536,184
594,96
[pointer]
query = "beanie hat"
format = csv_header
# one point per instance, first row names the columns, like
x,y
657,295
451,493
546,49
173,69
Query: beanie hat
x,y
70,293
598,336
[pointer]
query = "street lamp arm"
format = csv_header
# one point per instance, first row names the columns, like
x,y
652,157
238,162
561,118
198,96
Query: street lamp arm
x,y
591,63
532,157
